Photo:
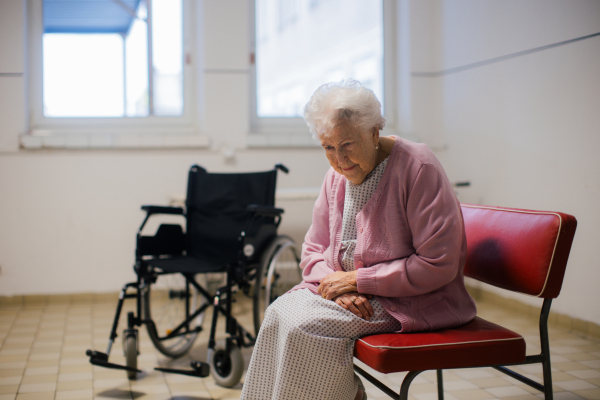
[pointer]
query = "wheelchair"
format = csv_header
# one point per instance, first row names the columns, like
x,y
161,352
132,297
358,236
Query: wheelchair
x,y
231,229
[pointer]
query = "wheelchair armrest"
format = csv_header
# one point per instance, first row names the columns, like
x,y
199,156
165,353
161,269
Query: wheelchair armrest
x,y
267,211
168,240
162,210
151,210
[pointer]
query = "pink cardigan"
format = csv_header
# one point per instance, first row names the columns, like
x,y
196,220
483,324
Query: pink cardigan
x,y
411,244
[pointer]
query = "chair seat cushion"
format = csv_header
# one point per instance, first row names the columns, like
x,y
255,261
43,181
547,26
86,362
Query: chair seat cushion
x,y
185,264
477,343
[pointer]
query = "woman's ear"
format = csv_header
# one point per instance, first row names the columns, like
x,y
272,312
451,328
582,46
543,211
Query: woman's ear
x,y
375,132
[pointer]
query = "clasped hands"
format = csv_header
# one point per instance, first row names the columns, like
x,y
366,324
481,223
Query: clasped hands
x,y
341,287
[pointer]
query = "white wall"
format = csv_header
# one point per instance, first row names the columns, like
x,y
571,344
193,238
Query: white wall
x,y
524,132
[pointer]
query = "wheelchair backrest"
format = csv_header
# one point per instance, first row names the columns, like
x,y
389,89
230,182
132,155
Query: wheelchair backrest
x,y
216,212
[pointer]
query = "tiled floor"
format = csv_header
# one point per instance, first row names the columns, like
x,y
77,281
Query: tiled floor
x,y
43,357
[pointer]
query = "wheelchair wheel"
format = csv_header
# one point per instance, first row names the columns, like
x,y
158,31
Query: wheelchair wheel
x,y
131,353
164,302
226,367
278,272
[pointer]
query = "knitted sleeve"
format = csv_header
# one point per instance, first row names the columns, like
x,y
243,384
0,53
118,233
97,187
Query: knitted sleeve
x,y
317,238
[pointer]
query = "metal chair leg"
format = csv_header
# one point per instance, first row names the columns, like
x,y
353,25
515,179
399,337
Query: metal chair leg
x,y
406,384
545,344
440,384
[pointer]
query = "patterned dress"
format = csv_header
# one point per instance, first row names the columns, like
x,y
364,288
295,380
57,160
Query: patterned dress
x,y
305,346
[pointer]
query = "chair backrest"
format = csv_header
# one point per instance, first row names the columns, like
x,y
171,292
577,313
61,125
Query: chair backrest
x,y
216,210
520,250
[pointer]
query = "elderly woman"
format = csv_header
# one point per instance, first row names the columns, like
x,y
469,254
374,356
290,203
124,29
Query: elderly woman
x,y
385,253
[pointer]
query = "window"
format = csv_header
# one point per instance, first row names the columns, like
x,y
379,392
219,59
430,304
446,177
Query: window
x,y
111,67
300,45
96,61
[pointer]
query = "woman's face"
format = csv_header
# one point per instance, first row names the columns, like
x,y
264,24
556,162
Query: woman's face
x,y
351,152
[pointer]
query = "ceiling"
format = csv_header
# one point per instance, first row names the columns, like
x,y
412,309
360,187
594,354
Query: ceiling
x,y
88,16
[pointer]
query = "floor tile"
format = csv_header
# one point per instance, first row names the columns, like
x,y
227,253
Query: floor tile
x,y
434,396
42,364
485,383
475,394
11,380
35,396
473,373
574,385
585,374
37,387
506,391
566,396
41,371
11,372
458,385
6,389
76,376
110,383
75,395
13,365
591,364
44,356
27,379
570,366
14,351
74,385
593,394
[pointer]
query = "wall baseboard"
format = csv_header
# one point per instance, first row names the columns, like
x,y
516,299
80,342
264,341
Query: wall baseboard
x,y
46,300
556,319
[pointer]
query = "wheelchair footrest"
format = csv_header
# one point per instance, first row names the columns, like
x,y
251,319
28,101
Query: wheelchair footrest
x,y
101,359
200,370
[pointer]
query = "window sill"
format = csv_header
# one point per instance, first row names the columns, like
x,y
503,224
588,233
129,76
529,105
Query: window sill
x,y
286,194
52,140
282,138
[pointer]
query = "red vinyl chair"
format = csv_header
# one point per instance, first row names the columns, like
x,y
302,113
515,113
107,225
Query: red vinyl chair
x,y
518,250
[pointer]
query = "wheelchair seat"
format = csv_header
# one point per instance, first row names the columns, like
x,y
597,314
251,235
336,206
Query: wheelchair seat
x,y
187,265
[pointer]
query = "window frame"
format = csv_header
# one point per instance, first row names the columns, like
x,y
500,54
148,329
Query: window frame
x,y
110,131
292,131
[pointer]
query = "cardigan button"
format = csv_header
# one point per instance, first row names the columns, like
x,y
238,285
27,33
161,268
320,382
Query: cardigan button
x,y
392,308
359,264
360,230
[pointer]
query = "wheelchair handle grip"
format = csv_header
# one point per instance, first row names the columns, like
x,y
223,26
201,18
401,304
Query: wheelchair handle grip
x,y
282,167
461,184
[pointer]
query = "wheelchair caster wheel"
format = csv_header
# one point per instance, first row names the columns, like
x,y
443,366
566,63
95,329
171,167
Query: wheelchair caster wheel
x,y
131,353
226,368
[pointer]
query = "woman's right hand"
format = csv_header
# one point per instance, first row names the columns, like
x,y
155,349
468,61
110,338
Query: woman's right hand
x,y
356,303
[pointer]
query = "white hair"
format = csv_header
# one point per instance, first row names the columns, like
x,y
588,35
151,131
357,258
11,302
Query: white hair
x,y
344,101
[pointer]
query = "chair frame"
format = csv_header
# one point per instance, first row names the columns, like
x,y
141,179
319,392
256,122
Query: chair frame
x,y
551,288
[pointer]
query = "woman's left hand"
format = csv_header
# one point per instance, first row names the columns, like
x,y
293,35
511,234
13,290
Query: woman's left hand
x,y
358,304
340,282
